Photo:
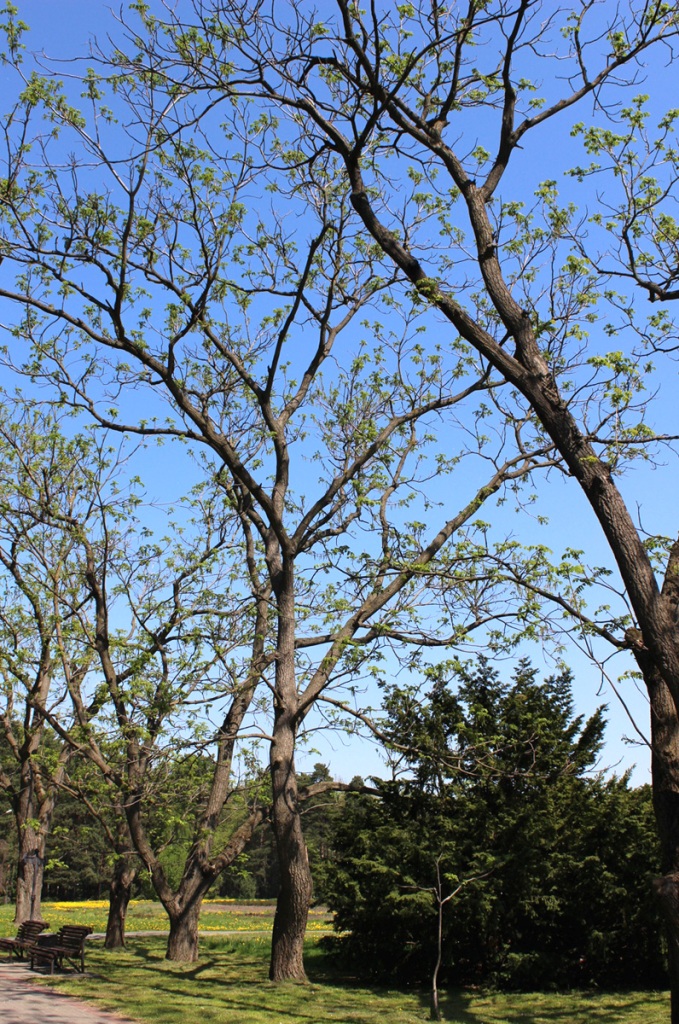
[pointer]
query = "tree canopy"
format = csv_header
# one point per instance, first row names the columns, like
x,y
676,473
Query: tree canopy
x,y
326,253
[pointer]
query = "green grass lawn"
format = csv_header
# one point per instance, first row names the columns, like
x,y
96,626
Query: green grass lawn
x,y
146,915
229,985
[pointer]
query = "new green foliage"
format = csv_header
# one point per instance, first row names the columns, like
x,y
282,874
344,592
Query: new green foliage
x,y
269,183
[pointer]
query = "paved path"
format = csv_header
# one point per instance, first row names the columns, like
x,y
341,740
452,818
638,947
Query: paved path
x,y
22,1002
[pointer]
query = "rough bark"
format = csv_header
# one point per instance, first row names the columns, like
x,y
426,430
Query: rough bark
x,y
665,773
183,942
30,871
294,897
4,868
667,893
665,777
33,807
120,892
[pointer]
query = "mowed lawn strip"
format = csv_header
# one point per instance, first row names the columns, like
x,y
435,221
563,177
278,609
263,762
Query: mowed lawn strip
x,y
147,915
229,985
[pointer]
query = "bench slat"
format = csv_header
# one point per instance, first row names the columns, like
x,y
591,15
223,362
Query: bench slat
x,y
68,944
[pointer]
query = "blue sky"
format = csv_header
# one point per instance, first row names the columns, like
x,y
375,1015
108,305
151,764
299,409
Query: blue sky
x,y
63,29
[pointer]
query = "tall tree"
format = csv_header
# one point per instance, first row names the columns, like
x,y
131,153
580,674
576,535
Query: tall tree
x,y
429,109
269,331
38,467
169,632
113,643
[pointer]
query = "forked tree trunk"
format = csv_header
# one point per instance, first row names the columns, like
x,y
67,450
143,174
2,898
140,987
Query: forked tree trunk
x,y
183,941
183,906
120,892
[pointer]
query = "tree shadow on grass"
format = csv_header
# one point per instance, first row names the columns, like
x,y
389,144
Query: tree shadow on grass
x,y
227,985
222,999
230,983
613,1008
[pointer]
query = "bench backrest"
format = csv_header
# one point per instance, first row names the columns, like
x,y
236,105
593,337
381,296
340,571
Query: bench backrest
x,y
72,936
30,930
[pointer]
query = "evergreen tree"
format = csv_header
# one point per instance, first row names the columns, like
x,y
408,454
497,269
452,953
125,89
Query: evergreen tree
x,y
501,790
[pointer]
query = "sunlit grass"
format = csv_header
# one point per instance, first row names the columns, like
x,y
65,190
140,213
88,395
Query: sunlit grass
x,y
229,986
147,915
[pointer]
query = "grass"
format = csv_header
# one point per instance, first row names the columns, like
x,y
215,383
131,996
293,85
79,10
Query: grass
x,y
229,985
146,915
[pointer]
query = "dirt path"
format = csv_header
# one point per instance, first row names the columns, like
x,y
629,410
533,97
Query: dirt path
x,y
22,1002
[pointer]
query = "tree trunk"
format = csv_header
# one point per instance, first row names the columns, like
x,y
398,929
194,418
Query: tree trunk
x,y
294,897
4,869
183,942
183,906
30,871
119,897
667,893
33,807
665,772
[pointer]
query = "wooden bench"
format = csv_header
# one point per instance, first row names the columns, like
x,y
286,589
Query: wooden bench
x,y
26,936
67,946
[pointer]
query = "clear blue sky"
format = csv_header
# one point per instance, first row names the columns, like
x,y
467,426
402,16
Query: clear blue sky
x,y
62,29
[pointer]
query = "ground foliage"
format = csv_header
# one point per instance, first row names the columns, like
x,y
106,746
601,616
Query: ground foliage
x,y
555,859
230,985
